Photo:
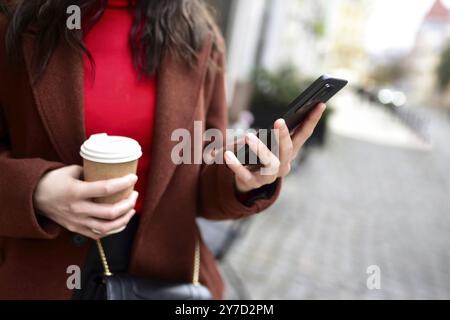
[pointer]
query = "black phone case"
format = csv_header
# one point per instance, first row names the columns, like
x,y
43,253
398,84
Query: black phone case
x,y
320,91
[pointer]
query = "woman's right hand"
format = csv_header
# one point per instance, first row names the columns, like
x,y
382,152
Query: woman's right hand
x,y
62,197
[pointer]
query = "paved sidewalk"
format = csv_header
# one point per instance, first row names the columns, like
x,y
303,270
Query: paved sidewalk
x,y
351,205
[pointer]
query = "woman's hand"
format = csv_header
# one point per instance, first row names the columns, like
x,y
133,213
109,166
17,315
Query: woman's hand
x,y
274,167
63,198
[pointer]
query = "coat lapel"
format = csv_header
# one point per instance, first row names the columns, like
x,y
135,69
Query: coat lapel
x,y
179,89
59,99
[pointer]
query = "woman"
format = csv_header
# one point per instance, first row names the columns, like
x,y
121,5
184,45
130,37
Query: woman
x,y
142,70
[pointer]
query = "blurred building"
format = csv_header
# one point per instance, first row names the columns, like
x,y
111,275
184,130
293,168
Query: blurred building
x,y
270,34
241,23
432,38
347,52
295,34
313,36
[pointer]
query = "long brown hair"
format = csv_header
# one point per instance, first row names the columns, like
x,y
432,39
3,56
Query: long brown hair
x,y
160,26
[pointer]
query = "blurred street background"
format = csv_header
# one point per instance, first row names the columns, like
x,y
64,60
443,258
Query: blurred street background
x,y
372,187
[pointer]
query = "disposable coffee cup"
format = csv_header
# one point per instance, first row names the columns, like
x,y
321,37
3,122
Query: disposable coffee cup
x,y
108,157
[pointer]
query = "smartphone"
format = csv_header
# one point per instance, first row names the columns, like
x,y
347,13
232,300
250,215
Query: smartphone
x,y
320,91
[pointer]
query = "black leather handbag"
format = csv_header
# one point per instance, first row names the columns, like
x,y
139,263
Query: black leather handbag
x,y
127,287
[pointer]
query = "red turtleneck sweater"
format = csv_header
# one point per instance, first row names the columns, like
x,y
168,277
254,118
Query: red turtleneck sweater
x,y
116,100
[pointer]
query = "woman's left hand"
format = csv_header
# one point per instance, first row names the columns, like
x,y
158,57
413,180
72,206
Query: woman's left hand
x,y
274,167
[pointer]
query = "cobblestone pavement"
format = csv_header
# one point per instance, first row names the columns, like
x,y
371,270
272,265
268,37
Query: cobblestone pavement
x,y
348,206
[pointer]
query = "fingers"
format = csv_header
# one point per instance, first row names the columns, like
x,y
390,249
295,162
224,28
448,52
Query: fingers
x,y
285,143
247,180
268,159
274,167
306,130
230,146
105,211
103,228
239,170
87,190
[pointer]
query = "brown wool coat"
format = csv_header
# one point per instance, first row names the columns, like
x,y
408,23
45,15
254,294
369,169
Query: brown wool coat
x,y
41,128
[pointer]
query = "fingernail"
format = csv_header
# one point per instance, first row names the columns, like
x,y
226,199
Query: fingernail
x,y
230,156
251,136
134,178
281,122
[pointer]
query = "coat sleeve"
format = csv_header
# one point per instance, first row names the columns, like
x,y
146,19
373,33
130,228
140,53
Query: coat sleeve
x,y
218,197
18,180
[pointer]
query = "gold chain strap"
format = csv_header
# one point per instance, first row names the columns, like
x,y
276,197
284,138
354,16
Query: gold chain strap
x,y
195,276
101,251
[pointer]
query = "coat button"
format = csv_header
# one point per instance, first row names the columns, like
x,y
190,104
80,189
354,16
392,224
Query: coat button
x,y
78,240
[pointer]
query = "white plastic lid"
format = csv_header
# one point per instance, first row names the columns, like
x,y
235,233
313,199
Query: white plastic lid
x,y
110,149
